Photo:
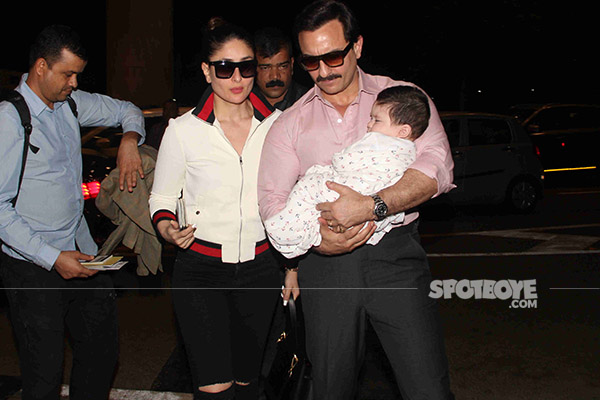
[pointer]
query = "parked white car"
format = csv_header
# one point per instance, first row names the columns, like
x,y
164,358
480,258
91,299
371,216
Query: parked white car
x,y
494,161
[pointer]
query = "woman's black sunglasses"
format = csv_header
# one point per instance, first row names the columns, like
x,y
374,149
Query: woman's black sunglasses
x,y
225,69
332,59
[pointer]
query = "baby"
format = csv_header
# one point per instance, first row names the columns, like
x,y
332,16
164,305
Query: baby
x,y
378,160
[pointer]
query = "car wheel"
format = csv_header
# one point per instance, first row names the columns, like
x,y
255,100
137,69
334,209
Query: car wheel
x,y
522,196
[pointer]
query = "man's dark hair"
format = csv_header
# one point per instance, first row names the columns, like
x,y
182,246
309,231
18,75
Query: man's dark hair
x,y
51,41
320,12
270,41
408,105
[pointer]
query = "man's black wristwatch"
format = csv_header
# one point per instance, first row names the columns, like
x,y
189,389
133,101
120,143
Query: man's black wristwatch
x,y
381,209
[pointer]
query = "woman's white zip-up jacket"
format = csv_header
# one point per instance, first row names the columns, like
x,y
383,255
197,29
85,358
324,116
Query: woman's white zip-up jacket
x,y
219,185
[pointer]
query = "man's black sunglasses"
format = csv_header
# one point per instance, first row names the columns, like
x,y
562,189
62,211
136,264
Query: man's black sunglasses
x,y
332,59
225,69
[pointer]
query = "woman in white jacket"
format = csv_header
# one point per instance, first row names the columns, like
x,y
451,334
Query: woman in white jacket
x,y
211,156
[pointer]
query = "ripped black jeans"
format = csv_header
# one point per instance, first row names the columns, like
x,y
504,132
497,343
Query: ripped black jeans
x,y
224,312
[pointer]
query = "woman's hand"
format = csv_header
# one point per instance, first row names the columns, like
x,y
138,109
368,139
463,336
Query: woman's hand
x,y
290,286
169,230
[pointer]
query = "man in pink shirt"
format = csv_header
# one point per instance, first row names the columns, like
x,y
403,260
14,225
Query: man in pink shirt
x,y
389,282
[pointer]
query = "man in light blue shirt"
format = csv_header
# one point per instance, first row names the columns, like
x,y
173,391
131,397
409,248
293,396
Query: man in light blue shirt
x,y
45,235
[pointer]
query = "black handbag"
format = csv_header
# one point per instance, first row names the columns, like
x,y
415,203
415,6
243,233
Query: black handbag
x,y
290,375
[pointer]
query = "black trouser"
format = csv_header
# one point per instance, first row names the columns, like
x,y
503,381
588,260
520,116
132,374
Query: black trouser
x,y
224,312
41,304
388,285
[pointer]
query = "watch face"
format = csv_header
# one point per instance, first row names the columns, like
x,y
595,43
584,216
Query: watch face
x,y
381,210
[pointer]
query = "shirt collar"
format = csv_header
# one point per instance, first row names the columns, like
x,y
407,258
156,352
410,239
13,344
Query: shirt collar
x,y
205,110
365,84
35,104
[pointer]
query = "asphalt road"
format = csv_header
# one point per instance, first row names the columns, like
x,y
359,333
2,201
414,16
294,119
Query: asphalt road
x,y
543,347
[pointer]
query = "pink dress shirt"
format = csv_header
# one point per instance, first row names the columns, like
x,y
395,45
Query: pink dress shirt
x,y
312,130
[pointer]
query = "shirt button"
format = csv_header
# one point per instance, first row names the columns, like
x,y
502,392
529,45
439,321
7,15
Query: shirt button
x,y
197,212
339,121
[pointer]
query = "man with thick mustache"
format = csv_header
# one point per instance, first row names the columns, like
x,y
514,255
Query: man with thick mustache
x,y
343,282
276,68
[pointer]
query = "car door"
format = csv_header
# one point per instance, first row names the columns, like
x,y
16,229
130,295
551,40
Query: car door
x,y
452,126
492,159
567,137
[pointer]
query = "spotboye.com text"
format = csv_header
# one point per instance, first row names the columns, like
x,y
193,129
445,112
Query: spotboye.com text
x,y
519,293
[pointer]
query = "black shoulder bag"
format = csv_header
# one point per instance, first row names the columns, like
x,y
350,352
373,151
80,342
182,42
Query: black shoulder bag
x,y
290,377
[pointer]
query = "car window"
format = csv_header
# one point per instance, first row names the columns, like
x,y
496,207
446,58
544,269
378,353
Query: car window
x,y
585,117
452,128
485,131
571,117
551,118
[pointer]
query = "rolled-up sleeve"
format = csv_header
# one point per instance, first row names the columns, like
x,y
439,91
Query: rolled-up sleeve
x,y
279,168
434,157
99,110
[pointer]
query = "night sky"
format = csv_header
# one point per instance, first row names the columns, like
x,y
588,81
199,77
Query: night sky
x,y
496,53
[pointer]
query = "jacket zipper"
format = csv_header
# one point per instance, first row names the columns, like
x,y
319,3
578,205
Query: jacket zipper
x,y
242,181
242,191
241,197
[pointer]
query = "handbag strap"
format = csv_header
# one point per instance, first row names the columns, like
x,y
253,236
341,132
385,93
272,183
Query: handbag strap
x,y
296,328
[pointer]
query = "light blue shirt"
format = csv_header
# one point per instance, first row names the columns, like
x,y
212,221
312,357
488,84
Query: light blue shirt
x,y
48,217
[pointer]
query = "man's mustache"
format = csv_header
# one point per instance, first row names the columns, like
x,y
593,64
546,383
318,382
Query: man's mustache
x,y
328,77
274,83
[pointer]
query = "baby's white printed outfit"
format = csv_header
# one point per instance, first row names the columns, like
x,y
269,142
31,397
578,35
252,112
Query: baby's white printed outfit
x,y
371,164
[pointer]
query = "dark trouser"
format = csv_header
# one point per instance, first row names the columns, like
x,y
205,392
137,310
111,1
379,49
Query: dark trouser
x,y
41,304
388,285
224,312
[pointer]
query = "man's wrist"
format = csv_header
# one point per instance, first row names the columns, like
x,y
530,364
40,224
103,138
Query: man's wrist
x,y
132,136
369,207
47,256
380,208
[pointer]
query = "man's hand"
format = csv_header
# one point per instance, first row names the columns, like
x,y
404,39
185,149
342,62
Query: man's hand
x,y
68,266
350,209
129,161
169,230
333,243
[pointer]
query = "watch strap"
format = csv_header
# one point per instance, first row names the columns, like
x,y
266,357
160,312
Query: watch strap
x,y
379,204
